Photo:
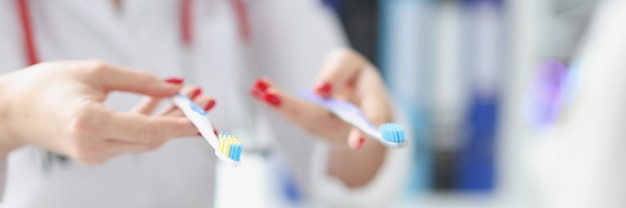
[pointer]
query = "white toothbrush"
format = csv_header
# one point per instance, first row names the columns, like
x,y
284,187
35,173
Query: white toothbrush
x,y
226,146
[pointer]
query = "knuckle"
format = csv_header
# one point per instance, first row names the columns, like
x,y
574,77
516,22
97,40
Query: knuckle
x,y
82,124
84,150
97,66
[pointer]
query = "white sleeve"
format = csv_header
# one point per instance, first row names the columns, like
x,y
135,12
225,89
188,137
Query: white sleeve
x,y
384,188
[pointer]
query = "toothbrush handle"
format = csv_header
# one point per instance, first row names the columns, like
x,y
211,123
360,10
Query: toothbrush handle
x,y
197,116
345,111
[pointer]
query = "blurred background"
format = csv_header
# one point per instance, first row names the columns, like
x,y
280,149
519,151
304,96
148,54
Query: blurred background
x,y
463,70
480,82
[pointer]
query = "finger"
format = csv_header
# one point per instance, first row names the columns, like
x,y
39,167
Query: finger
x,y
190,91
356,138
139,128
111,77
373,100
206,102
149,103
340,69
307,115
146,105
115,148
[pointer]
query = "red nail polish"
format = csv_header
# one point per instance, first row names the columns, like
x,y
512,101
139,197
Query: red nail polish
x,y
215,132
175,80
324,88
272,99
258,88
359,144
199,134
261,84
196,93
210,105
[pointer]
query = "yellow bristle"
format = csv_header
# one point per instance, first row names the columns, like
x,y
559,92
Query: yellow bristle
x,y
226,147
221,145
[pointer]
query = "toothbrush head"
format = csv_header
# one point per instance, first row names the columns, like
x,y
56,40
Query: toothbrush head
x,y
228,147
392,132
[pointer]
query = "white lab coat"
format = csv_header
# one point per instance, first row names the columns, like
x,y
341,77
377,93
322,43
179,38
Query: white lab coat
x,y
290,40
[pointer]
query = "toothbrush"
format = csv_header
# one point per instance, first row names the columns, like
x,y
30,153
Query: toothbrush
x,y
390,135
226,145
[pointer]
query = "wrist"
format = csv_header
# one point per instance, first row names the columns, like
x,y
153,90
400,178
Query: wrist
x,y
7,140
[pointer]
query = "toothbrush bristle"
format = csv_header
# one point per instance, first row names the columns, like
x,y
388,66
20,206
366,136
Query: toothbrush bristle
x,y
229,146
392,132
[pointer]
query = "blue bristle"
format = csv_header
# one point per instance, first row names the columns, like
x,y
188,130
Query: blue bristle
x,y
235,152
392,132
231,152
238,155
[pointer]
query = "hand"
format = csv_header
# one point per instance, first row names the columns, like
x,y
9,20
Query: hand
x,y
149,103
348,76
58,106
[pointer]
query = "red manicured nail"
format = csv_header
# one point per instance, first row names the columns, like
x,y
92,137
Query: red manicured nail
x,y
210,105
324,88
175,80
359,144
196,93
258,88
261,84
215,132
272,99
199,134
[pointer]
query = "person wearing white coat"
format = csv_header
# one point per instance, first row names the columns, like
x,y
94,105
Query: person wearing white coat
x,y
218,46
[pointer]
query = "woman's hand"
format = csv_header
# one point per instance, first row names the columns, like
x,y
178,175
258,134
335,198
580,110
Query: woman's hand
x,y
58,106
348,76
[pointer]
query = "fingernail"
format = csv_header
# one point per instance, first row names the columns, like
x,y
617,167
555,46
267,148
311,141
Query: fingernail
x,y
175,80
261,84
195,93
215,132
199,134
324,88
359,144
258,88
272,99
210,105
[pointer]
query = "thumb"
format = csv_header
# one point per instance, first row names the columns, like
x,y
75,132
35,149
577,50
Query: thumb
x,y
356,138
112,77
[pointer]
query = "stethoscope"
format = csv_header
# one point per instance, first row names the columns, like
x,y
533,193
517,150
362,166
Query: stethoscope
x,y
239,7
